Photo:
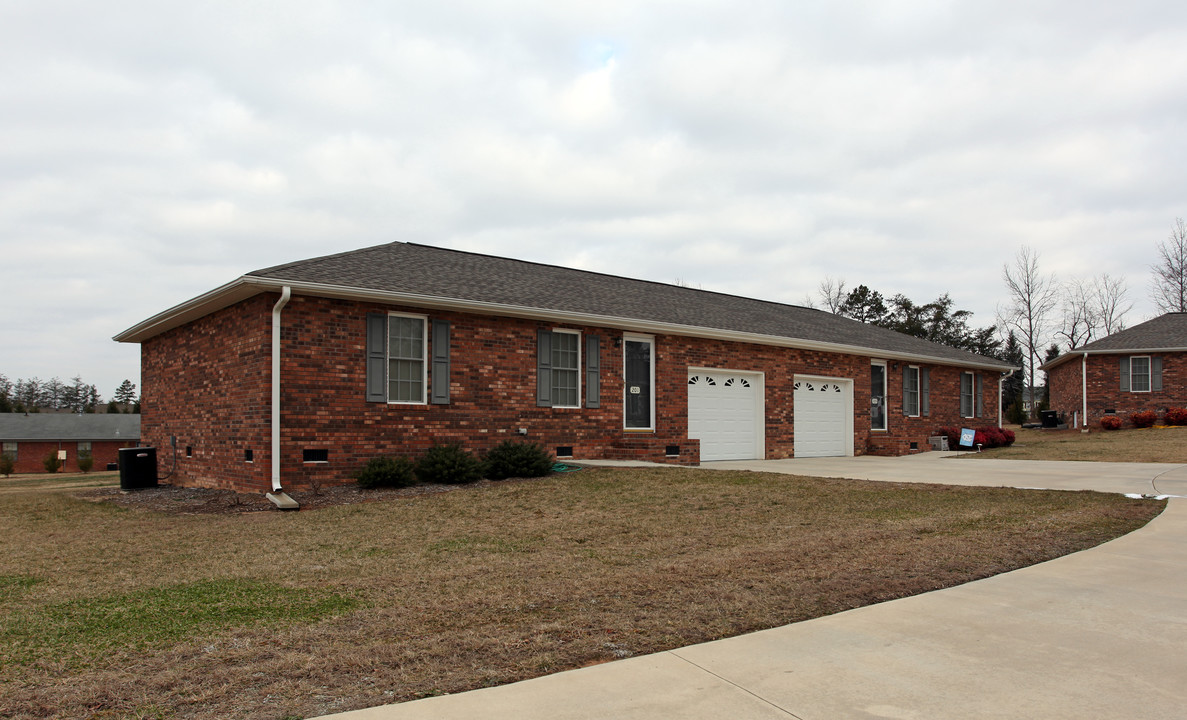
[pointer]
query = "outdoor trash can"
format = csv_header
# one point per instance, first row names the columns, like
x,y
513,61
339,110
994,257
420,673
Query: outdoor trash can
x,y
1050,418
138,468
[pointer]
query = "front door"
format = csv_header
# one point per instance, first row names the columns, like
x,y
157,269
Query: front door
x,y
637,364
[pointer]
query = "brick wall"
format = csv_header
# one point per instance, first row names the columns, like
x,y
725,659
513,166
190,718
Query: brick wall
x,y
209,384
1104,387
31,455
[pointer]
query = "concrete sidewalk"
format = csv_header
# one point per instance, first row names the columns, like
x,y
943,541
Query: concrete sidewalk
x,y
1096,634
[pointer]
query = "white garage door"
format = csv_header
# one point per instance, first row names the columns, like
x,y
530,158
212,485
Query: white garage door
x,y
823,413
725,412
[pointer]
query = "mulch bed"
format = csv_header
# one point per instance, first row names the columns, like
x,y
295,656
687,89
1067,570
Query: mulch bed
x,y
205,501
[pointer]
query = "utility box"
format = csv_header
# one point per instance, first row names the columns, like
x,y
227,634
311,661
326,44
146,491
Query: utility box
x,y
1050,418
138,468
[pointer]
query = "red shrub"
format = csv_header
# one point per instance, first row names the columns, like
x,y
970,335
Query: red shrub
x,y
1175,416
1009,436
953,435
1144,419
1110,422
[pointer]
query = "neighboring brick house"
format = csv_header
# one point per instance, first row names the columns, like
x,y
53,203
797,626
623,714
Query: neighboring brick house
x,y
28,439
1142,368
390,349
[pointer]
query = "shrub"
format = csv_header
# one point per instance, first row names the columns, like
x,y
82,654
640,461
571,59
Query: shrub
x,y
387,472
1175,416
1144,419
517,459
51,462
1015,413
6,464
1009,436
85,462
953,435
1110,422
448,464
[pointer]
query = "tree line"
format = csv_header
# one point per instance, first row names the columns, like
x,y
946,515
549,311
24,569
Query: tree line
x,y
36,395
1042,317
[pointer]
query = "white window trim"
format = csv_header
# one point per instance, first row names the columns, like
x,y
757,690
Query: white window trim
x,y
918,392
650,340
424,360
885,388
1149,373
972,394
580,357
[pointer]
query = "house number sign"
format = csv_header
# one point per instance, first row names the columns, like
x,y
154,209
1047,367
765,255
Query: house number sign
x,y
635,390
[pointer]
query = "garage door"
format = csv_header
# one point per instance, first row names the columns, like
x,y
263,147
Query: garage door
x,y
725,412
823,416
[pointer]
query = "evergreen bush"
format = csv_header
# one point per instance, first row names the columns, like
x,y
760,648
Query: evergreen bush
x,y
449,465
85,462
51,462
387,472
511,459
6,464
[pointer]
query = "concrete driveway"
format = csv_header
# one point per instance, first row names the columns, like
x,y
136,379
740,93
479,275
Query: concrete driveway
x,y
1097,634
955,468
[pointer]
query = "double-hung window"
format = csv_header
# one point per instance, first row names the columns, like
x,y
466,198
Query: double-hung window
x,y
566,363
10,449
911,391
558,368
406,359
966,394
1139,374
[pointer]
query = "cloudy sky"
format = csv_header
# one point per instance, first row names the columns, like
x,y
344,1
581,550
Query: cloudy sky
x,y
152,150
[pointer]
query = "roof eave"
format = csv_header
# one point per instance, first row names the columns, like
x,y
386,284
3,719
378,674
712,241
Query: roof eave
x,y
248,285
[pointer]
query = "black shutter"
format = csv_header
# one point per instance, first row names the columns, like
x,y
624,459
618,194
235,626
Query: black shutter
x,y
1156,373
544,368
440,391
376,357
1125,374
593,367
980,400
925,391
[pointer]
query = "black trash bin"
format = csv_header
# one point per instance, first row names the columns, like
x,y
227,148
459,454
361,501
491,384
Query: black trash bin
x,y
138,468
1050,418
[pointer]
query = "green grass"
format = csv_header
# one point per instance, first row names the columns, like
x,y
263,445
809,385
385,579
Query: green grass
x,y
89,627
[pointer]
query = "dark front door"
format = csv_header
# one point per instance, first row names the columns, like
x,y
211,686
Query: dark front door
x,y
638,384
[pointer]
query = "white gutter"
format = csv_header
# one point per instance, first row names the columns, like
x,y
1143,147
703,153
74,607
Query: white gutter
x,y
1000,382
278,496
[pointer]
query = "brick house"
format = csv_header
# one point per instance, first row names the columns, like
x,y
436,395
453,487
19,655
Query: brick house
x,y
390,349
1142,368
28,439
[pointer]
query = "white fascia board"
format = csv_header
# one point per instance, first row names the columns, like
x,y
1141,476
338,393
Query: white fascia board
x,y
247,286
190,310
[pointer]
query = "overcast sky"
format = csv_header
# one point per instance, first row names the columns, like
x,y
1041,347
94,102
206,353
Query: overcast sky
x,y
151,151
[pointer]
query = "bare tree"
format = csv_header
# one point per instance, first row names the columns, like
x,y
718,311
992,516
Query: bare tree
x,y
1080,319
832,294
1168,287
1033,296
1112,303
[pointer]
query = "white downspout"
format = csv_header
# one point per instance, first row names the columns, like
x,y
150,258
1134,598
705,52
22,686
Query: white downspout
x,y
1001,381
278,496
1084,391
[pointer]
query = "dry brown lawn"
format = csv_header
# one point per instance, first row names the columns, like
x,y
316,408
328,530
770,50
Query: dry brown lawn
x,y
111,612
1157,444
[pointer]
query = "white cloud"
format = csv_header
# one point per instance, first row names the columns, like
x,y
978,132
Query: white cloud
x,y
155,151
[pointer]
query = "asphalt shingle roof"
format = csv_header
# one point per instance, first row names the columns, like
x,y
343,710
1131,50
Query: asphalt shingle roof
x,y
64,426
1164,332
442,273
